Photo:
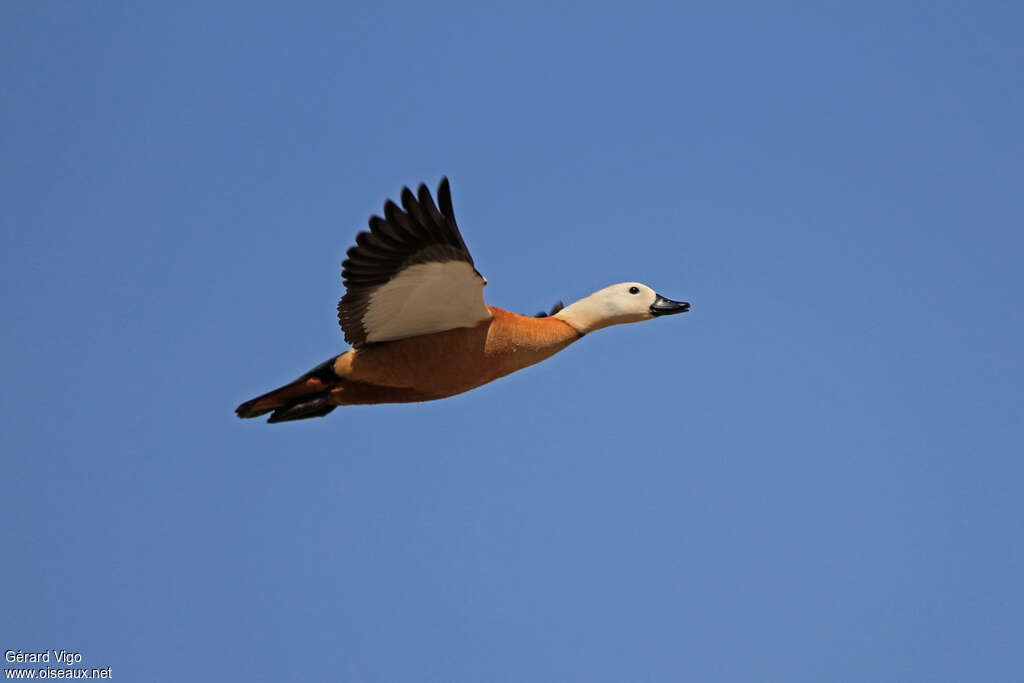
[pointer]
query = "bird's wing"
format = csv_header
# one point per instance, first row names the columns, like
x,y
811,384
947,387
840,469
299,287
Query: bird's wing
x,y
411,274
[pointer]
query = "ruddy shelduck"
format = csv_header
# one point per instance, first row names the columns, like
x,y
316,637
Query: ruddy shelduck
x,y
414,314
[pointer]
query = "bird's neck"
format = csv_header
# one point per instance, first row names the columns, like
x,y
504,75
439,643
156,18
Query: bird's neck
x,y
587,315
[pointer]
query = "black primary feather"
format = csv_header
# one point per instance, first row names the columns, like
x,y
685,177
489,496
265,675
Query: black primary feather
x,y
554,309
421,233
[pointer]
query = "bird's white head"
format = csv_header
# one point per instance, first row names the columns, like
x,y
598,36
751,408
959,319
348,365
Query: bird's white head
x,y
626,302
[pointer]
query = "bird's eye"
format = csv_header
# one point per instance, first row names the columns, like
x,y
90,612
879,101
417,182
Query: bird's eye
x,y
634,290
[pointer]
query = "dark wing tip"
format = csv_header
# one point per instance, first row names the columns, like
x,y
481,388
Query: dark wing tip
x,y
418,231
407,198
554,309
444,199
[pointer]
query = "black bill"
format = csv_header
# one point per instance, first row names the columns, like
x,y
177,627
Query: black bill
x,y
663,306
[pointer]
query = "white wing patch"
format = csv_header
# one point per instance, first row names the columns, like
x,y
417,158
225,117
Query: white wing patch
x,y
426,298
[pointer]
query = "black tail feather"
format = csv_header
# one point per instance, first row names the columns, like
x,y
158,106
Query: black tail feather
x,y
308,396
313,406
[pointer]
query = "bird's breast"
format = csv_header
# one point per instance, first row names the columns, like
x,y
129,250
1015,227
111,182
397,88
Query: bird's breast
x,y
453,361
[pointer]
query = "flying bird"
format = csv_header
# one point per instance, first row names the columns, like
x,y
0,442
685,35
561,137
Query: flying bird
x,y
414,315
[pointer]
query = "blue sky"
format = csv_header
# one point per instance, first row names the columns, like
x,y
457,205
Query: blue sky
x,y
813,475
